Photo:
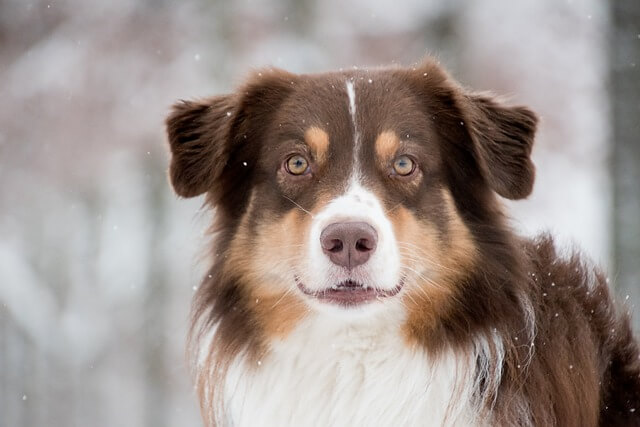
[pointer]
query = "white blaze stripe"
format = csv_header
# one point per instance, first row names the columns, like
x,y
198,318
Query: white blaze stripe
x,y
351,92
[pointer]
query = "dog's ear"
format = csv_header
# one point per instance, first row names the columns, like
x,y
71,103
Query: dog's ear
x,y
198,133
499,137
502,141
204,135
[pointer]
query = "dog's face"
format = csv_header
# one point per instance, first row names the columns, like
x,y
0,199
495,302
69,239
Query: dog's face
x,y
351,192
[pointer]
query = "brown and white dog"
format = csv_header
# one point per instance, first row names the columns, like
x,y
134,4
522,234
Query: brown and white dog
x,y
364,273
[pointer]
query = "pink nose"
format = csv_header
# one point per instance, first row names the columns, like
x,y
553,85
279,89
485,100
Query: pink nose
x,y
349,244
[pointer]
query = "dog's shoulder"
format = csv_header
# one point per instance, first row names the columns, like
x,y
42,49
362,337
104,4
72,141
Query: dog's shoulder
x,y
576,310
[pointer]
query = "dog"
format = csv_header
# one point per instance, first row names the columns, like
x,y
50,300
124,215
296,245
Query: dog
x,y
364,273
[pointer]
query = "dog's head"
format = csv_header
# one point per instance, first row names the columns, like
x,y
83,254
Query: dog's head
x,y
349,193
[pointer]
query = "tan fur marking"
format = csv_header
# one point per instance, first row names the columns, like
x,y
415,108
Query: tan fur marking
x,y
318,140
261,266
278,304
425,294
434,268
462,251
275,301
387,144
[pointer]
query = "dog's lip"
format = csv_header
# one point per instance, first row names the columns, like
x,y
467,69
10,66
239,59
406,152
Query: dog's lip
x,y
350,292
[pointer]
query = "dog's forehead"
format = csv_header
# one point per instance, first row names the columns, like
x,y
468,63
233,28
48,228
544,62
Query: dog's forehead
x,y
382,94
355,107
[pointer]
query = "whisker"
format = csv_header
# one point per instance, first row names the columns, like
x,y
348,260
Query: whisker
x,y
301,208
290,288
394,207
408,249
419,260
426,279
287,246
408,294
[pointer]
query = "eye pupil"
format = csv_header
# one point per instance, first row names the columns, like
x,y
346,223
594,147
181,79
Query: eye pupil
x,y
404,165
297,165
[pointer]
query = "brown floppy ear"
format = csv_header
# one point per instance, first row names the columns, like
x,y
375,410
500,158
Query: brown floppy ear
x,y
498,137
502,141
198,133
210,139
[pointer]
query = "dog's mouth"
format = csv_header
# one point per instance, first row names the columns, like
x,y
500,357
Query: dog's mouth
x,y
350,293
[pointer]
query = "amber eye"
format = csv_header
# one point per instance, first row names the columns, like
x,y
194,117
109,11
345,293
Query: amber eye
x,y
297,165
404,165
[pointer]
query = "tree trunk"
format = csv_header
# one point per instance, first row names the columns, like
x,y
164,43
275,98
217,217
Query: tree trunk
x,y
625,94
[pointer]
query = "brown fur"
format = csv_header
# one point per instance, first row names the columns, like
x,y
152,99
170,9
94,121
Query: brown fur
x,y
570,357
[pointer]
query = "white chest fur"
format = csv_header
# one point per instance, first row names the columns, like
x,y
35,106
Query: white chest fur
x,y
329,374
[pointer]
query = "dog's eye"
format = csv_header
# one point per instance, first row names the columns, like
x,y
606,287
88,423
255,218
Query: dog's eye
x,y
297,165
404,165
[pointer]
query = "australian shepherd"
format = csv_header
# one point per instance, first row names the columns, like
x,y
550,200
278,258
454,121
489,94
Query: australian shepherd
x,y
364,273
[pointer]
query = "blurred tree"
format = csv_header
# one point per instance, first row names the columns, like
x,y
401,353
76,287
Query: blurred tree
x,y
155,304
625,94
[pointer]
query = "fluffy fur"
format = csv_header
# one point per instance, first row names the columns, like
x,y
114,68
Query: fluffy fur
x,y
470,324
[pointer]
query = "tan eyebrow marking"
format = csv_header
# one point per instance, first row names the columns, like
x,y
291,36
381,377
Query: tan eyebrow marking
x,y
318,140
387,144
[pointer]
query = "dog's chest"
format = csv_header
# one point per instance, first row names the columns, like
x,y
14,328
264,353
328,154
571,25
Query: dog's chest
x,y
335,376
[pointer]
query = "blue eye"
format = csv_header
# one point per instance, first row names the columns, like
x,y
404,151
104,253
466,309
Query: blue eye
x,y
403,165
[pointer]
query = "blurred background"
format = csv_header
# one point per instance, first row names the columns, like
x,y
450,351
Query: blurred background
x,y
99,260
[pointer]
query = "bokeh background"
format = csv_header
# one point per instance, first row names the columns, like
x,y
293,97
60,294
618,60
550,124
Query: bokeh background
x,y
99,260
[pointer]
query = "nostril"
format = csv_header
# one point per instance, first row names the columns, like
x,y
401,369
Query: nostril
x,y
335,246
364,245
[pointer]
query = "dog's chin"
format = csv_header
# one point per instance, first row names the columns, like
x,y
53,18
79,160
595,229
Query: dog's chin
x,y
350,294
